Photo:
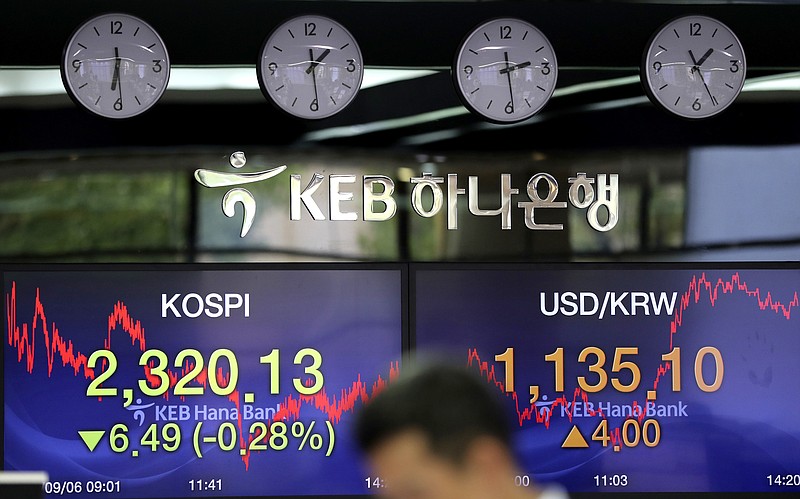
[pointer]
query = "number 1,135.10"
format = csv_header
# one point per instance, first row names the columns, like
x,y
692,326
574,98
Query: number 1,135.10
x,y
601,375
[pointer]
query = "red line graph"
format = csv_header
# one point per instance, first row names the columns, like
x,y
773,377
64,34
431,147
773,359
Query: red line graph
x,y
700,289
23,338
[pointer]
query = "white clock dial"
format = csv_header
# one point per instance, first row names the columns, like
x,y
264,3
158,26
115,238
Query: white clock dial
x,y
505,70
694,67
115,65
310,67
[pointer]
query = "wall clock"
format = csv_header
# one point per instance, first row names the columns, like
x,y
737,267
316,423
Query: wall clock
x,y
505,70
115,65
694,67
310,67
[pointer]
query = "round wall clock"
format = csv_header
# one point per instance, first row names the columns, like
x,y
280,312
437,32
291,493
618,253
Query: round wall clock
x,y
694,67
310,67
505,70
115,65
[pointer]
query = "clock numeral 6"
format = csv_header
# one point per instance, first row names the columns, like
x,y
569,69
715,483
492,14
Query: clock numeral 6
x,y
314,105
734,65
118,104
510,108
696,105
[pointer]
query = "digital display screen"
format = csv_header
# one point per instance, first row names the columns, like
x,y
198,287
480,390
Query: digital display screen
x,y
625,378
170,381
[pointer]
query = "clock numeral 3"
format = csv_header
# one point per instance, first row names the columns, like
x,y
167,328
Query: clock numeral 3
x,y
734,65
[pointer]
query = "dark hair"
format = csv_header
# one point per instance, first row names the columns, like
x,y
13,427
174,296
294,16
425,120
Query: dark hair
x,y
450,405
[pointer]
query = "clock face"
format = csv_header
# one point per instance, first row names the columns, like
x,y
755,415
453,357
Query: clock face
x,y
115,65
694,67
505,70
310,67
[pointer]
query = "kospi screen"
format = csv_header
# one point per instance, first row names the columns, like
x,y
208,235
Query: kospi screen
x,y
180,382
625,378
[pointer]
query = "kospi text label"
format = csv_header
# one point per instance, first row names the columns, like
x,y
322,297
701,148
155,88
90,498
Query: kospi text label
x,y
213,305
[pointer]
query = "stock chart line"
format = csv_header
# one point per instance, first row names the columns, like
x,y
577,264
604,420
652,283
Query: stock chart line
x,y
23,339
698,289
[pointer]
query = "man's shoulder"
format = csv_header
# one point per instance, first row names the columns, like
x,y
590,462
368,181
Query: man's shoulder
x,y
553,491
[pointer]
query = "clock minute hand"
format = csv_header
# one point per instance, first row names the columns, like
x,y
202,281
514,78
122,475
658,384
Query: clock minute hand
x,y
694,61
508,74
115,76
313,73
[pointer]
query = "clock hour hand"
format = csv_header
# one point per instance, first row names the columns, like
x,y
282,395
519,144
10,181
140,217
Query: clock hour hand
x,y
314,63
705,56
698,63
115,76
515,67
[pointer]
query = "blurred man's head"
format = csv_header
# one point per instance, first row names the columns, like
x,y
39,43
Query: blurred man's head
x,y
438,432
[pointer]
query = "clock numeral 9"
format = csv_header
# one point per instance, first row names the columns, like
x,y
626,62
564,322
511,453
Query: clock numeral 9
x,y
505,32
157,65
468,70
734,65
351,65
657,66
314,105
77,64
272,67
116,27
694,29
310,29
545,68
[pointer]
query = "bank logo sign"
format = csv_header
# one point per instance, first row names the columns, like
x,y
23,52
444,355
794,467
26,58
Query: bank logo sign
x,y
429,196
